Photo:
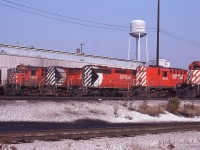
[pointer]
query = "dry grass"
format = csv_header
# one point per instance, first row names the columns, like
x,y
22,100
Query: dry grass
x,y
96,112
173,104
190,109
70,111
13,148
154,111
7,147
132,107
116,111
129,117
125,104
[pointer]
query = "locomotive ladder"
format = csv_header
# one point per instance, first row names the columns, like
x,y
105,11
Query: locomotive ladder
x,y
42,84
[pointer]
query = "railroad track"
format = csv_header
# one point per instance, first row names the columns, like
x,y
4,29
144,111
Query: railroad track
x,y
53,98
87,133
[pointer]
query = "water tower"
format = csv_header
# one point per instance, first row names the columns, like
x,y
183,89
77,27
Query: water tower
x,y
137,30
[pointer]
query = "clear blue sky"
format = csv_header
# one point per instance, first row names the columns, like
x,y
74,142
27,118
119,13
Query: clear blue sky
x,y
178,17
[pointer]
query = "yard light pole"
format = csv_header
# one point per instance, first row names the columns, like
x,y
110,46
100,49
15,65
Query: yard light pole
x,y
158,36
82,46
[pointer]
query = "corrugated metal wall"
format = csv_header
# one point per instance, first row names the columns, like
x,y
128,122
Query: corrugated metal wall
x,y
8,61
11,56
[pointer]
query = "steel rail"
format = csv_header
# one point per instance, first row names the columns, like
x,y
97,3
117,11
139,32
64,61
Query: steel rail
x,y
87,133
55,98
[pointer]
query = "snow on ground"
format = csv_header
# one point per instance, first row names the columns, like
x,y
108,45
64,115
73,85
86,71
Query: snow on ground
x,y
180,141
112,111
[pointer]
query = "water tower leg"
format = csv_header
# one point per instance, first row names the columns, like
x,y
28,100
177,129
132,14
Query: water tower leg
x,y
137,40
129,47
147,52
138,48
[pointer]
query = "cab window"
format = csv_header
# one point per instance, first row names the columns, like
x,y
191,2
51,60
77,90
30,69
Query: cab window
x,y
164,73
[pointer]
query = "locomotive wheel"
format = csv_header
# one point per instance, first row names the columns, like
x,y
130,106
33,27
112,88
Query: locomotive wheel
x,y
78,93
193,93
113,93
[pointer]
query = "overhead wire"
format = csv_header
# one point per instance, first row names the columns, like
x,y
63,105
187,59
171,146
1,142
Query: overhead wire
x,y
91,23
179,38
50,17
102,25
59,15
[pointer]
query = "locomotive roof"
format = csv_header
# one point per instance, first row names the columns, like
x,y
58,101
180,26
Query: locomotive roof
x,y
109,67
166,67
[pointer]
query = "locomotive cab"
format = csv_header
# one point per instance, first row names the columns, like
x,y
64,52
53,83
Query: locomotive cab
x,y
158,81
24,80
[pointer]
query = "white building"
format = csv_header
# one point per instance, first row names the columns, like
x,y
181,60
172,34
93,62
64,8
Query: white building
x,y
12,55
162,63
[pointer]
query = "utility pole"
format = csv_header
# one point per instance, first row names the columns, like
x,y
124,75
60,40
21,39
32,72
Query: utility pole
x,y
158,36
82,46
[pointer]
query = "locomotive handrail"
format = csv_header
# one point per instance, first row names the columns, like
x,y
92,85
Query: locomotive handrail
x,y
68,84
133,81
40,82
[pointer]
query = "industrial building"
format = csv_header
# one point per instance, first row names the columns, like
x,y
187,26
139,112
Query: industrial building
x,y
12,55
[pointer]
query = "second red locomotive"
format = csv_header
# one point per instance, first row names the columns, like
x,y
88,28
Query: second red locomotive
x,y
107,81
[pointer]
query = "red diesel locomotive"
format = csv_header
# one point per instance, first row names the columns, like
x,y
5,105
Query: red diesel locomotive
x,y
31,80
107,81
24,80
94,80
158,81
191,88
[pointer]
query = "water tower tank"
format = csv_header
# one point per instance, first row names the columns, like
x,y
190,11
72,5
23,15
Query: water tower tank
x,y
137,28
